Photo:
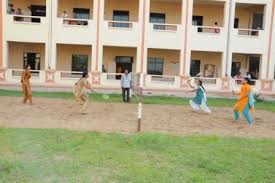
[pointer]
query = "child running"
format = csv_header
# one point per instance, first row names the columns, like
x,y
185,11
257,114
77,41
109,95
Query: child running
x,y
245,103
199,102
80,92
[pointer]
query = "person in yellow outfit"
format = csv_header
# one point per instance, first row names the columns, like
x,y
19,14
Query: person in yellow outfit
x,y
80,92
26,86
245,103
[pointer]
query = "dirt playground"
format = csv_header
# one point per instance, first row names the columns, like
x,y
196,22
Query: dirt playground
x,y
122,118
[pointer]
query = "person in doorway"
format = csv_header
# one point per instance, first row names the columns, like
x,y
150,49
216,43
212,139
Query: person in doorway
x,y
248,75
10,9
26,86
80,92
126,80
64,15
216,30
245,103
200,101
238,78
19,12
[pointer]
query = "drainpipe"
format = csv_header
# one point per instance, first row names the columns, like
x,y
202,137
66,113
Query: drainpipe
x,y
228,56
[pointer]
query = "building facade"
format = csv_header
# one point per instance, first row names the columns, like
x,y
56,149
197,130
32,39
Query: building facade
x,y
167,41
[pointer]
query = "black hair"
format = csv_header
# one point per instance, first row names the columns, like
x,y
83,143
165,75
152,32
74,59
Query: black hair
x,y
84,74
200,84
248,80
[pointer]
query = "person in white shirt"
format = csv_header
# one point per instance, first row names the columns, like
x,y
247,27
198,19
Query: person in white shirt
x,y
64,15
126,80
248,75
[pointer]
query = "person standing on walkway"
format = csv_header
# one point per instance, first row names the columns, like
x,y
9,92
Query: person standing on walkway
x,y
26,85
126,81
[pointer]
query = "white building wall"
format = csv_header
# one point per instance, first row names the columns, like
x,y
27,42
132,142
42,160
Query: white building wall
x,y
52,31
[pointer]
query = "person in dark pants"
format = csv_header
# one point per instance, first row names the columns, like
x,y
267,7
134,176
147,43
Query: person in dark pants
x,y
126,80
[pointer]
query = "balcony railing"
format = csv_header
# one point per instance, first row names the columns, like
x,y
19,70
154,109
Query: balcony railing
x,y
165,27
239,82
75,22
249,32
208,81
170,80
208,29
27,19
113,76
18,73
120,24
70,75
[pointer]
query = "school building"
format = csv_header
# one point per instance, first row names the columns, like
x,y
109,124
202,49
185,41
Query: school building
x,y
167,41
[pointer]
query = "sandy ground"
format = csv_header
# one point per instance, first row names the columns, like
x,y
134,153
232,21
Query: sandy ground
x,y
122,118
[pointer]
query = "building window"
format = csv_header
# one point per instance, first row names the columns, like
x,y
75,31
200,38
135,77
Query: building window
x,y
80,63
121,16
81,13
195,68
158,18
155,66
32,59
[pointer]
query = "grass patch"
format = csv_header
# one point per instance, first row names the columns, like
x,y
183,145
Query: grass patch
x,y
116,98
42,155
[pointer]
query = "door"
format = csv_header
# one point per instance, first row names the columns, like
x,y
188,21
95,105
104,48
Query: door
x,y
79,63
236,23
254,67
38,10
158,18
257,21
197,21
123,63
121,16
33,60
195,67
236,68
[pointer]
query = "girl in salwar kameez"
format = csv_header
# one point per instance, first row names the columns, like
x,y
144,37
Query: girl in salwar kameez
x,y
26,86
245,103
199,101
80,92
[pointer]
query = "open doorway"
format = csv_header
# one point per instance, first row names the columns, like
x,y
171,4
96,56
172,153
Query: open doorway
x,y
254,67
123,63
33,60
38,10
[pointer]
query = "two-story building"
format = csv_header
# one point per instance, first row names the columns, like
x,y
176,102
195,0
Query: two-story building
x,y
167,41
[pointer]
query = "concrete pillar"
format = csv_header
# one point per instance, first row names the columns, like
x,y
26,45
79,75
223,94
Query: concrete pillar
x,y
1,34
269,26
139,48
143,18
226,31
231,10
183,19
187,7
52,43
94,46
97,50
